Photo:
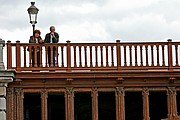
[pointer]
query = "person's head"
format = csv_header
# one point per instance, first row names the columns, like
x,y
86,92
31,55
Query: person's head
x,y
52,29
36,33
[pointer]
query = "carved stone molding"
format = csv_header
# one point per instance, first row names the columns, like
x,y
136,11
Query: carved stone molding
x,y
44,93
9,91
70,91
145,91
171,90
19,92
94,91
120,90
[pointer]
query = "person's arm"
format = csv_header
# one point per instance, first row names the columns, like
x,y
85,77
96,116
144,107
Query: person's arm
x,y
56,37
40,40
46,39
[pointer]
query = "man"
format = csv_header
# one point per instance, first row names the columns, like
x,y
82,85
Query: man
x,y
52,37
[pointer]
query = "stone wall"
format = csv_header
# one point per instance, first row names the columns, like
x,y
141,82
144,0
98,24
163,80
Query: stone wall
x,y
6,76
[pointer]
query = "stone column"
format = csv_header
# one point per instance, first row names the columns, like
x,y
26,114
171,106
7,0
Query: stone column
x,y
69,100
145,95
120,107
94,94
44,110
6,76
19,103
172,110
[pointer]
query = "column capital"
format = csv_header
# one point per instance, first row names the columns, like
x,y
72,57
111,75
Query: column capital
x,y
69,91
171,90
145,91
44,93
120,90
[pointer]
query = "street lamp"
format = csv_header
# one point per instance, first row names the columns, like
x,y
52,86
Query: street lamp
x,y
33,11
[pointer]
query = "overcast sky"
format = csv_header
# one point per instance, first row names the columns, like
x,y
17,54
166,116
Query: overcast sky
x,y
93,20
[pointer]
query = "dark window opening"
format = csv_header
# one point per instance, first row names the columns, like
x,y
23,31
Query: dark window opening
x,y
178,102
158,105
32,106
106,106
133,106
83,106
56,106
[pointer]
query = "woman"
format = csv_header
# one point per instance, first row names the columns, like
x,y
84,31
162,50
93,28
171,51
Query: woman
x,y
36,38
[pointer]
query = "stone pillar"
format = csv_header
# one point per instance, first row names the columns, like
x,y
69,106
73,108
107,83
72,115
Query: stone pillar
x,y
94,94
2,43
172,110
3,84
69,100
44,110
120,107
6,76
3,101
145,95
19,103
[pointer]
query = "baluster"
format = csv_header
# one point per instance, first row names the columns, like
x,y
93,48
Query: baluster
x,y
163,61
101,51
130,51
85,55
176,49
141,56
91,56
80,61
46,49
125,62
51,57
30,56
57,56
112,56
157,47
107,65
135,47
62,56
35,56
96,57
24,49
152,55
40,52
75,65
146,49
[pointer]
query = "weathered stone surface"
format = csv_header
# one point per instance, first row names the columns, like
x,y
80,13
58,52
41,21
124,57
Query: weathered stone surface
x,y
2,43
2,115
2,104
2,91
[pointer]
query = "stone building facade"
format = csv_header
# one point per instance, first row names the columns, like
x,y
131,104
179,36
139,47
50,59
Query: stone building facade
x,y
6,76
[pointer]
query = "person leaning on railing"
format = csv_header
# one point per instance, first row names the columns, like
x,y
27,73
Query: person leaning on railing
x,y
36,38
52,37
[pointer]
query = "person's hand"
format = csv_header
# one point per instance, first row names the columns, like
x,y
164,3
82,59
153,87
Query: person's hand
x,y
41,41
52,33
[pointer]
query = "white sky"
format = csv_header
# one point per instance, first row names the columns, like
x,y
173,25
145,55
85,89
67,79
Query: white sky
x,y
93,20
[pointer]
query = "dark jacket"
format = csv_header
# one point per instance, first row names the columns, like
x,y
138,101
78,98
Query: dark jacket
x,y
55,39
33,40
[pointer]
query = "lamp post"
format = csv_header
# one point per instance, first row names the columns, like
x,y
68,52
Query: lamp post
x,y
33,11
